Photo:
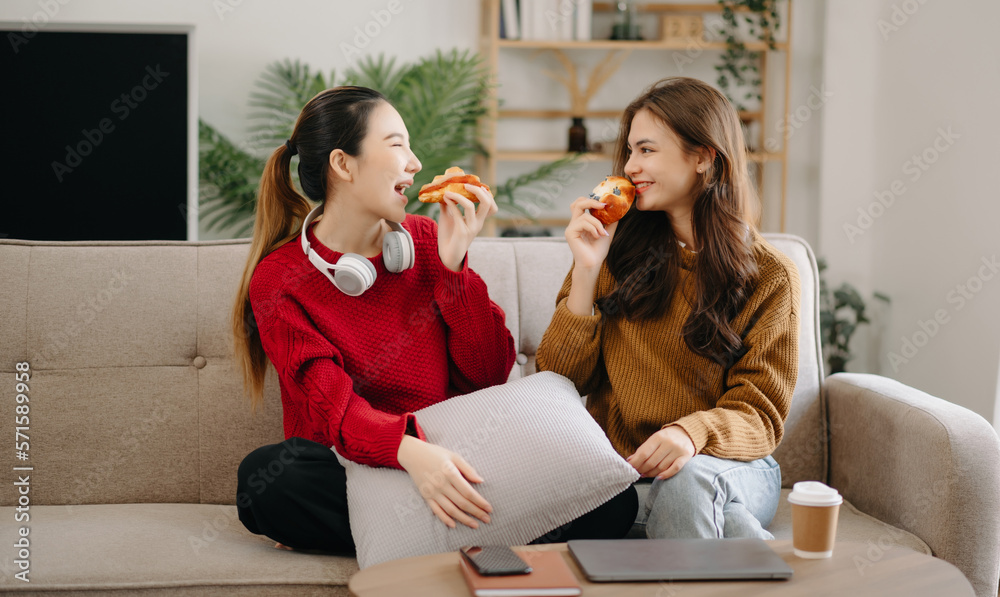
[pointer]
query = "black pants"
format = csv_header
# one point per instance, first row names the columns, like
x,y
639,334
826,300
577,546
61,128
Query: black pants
x,y
610,520
295,492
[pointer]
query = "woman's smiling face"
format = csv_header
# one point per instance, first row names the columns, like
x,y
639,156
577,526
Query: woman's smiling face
x,y
664,175
386,165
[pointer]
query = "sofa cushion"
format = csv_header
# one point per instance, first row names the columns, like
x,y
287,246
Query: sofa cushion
x,y
803,450
141,329
141,549
544,460
100,435
852,525
204,550
227,429
524,276
495,264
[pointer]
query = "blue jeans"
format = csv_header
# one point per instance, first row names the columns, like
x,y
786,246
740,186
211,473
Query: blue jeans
x,y
714,498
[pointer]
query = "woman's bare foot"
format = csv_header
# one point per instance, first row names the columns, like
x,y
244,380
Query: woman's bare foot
x,y
282,546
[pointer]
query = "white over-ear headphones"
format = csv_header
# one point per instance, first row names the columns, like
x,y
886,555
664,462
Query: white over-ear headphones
x,y
353,273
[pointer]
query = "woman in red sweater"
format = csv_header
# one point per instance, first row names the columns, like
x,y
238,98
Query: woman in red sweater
x,y
367,314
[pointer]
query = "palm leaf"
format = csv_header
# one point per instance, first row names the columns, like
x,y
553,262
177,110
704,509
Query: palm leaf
x,y
527,194
228,181
378,74
441,98
283,88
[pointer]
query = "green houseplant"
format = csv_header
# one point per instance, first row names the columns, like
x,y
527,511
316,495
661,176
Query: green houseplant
x,y
841,312
739,66
442,120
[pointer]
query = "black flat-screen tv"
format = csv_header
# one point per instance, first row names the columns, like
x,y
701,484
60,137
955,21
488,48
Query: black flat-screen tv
x,y
100,132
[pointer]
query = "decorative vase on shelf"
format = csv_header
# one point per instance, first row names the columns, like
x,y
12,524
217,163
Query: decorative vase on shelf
x,y
577,135
626,24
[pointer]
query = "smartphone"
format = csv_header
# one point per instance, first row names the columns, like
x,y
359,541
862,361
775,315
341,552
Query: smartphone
x,y
494,560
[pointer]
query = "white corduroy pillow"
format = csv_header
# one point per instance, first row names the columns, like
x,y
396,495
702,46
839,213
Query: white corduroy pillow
x,y
543,458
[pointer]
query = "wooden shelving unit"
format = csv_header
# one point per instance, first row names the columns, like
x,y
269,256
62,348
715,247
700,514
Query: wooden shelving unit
x,y
491,45
608,44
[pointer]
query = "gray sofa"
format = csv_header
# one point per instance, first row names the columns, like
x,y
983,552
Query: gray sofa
x,y
137,425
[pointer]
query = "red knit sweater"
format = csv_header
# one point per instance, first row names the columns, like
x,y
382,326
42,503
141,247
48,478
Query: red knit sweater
x,y
353,369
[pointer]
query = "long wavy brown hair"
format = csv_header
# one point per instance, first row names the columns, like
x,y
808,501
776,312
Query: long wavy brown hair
x,y
336,118
643,256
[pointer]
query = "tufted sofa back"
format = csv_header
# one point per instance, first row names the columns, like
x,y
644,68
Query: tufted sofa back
x,y
134,396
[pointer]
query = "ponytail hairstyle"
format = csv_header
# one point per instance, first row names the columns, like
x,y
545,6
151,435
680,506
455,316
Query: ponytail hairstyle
x,y
643,257
334,119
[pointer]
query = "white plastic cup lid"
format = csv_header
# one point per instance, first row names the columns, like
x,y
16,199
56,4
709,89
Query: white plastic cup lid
x,y
814,493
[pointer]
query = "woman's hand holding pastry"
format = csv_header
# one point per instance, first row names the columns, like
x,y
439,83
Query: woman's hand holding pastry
x,y
664,454
442,477
588,239
456,230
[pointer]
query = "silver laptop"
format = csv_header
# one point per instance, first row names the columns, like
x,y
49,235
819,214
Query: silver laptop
x,y
616,560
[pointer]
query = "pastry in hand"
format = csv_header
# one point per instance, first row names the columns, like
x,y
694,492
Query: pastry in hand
x,y
617,193
454,179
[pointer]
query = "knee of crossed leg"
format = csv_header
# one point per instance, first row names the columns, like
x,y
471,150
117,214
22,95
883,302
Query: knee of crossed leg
x,y
260,469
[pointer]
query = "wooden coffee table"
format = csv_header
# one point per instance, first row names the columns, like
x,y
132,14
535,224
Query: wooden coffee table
x,y
855,569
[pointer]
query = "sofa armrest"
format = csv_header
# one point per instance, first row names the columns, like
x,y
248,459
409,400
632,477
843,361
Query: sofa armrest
x,y
921,464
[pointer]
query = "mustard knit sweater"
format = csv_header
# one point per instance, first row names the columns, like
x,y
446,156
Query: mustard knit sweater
x,y
640,376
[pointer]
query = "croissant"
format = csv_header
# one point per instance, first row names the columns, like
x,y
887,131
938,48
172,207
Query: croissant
x,y
433,192
617,193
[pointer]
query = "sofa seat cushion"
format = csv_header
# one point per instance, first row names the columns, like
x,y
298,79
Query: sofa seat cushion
x,y
191,549
852,525
200,549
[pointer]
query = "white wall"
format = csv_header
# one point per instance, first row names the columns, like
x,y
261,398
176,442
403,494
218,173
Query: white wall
x,y
903,72
848,139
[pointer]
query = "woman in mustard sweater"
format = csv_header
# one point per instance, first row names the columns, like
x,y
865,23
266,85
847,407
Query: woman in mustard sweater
x,y
680,322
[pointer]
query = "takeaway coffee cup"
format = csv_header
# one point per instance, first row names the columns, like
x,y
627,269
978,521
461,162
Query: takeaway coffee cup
x,y
815,507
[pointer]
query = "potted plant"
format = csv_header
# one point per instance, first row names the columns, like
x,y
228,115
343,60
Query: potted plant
x,y
739,67
442,119
840,314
